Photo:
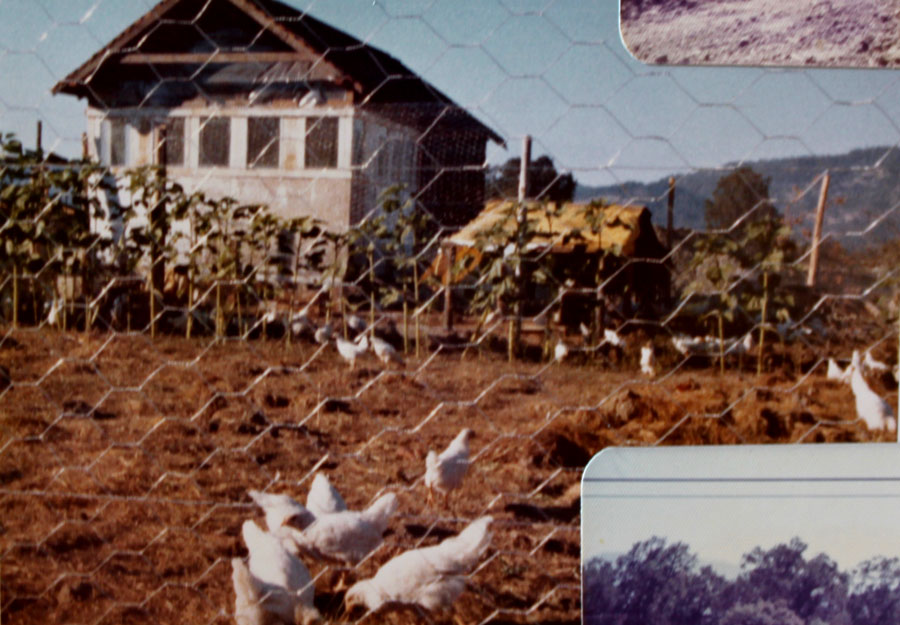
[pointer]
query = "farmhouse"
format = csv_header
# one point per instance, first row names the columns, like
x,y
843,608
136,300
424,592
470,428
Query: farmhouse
x,y
256,100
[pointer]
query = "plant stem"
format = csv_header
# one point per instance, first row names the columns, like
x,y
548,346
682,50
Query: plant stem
x,y
372,293
762,327
721,346
152,309
405,327
220,322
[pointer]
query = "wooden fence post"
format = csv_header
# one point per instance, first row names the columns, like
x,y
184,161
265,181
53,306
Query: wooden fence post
x,y
817,231
515,330
449,252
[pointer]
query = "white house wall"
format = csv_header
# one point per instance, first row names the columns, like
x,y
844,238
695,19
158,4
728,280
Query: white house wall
x,y
291,190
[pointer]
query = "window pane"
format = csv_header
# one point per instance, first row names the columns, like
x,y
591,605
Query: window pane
x,y
215,141
117,153
321,142
175,141
262,141
359,130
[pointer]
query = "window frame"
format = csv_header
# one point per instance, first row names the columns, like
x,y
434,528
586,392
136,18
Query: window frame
x,y
268,156
315,127
207,125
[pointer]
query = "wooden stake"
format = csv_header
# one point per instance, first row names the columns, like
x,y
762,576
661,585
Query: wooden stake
x,y
515,330
449,252
670,212
817,232
721,346
762,327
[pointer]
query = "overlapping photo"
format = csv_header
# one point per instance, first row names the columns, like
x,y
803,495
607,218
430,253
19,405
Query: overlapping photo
x,y
750,536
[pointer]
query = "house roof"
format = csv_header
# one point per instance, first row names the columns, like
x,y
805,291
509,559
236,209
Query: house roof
x,y
288,45
616,228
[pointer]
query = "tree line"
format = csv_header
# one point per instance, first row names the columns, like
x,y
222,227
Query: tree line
x,y
658,583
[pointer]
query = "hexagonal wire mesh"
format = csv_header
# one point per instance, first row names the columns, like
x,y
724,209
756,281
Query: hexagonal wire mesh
x,y
259,181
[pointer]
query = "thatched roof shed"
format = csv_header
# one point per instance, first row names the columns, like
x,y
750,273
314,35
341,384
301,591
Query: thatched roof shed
x,y
621,230
611,248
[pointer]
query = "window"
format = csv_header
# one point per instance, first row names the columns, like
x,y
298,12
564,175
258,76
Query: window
x,y
262,141
215,141
118,152
174,148
321,142
359,141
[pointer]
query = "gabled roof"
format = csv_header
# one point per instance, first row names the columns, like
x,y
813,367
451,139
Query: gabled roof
x,y
290,43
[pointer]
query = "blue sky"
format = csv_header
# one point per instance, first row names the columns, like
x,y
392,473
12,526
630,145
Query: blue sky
x,y
850,521
555,69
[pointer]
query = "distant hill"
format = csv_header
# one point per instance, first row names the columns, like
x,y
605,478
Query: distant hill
x,y
864,190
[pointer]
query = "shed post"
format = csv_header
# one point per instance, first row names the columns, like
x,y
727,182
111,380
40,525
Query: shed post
x,y
817,231
448,250
515,330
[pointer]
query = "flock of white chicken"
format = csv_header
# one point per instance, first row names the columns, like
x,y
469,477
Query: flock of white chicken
x,y
275,586
349,350
871,408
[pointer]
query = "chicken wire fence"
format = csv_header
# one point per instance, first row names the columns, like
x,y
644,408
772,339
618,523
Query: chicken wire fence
x,y
278,252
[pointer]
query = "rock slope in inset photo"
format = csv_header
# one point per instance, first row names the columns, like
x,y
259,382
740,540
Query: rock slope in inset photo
x,y
833,33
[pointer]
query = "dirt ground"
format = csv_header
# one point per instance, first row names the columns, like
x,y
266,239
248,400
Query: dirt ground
x,y
125,461
844,33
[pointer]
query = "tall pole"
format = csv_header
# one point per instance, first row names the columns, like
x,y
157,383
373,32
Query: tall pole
x,y
515,328
670,212
157,230
817,231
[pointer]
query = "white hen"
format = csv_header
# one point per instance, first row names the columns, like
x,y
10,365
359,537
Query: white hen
x,y
323,498
323,334
836,373
274,583
869,362
386,352
301,324
871,408
54,313
281,510
648,361
357,324
431,577
348,536
350,350
445,471
612,337
560,351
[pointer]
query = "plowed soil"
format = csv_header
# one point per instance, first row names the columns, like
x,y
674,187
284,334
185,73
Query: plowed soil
x,y
125,461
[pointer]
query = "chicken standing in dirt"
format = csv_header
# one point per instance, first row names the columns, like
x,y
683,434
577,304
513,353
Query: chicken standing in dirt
x,y
350,350
323,498
347,536
274,583
871,408
386,352
445,471
281,510
431,577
